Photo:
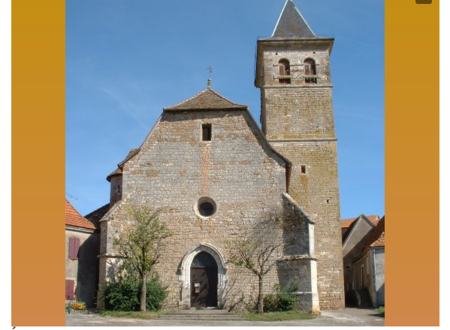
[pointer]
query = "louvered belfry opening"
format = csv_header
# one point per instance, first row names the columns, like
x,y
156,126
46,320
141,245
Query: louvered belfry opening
x,y
284,71
310,71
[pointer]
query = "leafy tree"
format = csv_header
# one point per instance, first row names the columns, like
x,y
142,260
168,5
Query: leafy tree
x,y
141,242
254,248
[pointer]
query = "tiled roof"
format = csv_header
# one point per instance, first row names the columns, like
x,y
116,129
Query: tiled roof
x,y
73,218
346,223
206,100
131,154
118,170
377,238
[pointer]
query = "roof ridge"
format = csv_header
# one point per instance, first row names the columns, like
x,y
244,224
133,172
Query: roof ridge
x,y
187,100
207,99
223,97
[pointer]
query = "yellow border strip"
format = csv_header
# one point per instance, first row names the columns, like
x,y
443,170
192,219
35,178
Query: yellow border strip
x,y
38,112
412,163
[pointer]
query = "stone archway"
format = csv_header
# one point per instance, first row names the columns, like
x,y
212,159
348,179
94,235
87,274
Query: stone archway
x,y
185,273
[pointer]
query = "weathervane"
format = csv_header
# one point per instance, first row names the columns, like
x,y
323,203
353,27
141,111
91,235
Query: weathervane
x,y
210,70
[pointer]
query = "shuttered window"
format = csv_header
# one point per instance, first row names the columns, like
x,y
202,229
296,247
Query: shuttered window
x,y
284,70
310,67
74,246
70,285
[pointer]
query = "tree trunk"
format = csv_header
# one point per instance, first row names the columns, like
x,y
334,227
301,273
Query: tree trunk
x,y
144,294
260,296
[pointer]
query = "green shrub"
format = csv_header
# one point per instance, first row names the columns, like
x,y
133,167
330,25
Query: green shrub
x,y
279,301
124,295
156,294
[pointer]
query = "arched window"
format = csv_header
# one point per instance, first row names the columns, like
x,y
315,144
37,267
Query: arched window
x,y
284,70
310,70
310,67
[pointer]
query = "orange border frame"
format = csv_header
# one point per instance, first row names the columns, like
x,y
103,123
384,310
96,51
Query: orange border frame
x,y
412,163
412,142
38,112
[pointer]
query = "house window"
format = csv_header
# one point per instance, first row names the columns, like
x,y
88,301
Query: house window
x,y
310,70
284,70
74,246
206,132
70,285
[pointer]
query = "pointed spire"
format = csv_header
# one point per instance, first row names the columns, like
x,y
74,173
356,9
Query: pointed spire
x,y
291,24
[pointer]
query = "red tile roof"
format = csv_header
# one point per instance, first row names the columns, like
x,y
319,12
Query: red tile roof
x,y
73,218
346,223
377,238
206,100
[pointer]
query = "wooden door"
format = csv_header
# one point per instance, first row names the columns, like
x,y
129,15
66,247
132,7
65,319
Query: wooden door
x,y
204,278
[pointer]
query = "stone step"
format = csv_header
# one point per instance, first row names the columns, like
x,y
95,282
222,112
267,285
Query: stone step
x,y
199,318
201,315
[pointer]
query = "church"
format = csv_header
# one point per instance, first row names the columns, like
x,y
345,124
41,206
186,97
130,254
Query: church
x,y
216,174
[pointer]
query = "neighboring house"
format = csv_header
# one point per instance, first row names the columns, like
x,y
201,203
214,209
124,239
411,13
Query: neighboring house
x,y
82,245
216,173
362,275
368,268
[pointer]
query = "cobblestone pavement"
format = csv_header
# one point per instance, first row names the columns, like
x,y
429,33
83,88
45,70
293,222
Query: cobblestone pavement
x,y
345,317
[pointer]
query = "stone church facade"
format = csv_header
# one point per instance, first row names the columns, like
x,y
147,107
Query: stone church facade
x,y
216,175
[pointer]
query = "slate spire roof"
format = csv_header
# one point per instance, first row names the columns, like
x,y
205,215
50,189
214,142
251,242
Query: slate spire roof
x,y
291,24
206,100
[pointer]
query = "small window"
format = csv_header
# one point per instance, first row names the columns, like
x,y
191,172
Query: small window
x,y
206,132
303,169
74,246
284,70
206,207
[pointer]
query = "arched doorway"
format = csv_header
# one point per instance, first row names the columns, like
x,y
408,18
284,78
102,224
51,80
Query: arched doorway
x,y
204,278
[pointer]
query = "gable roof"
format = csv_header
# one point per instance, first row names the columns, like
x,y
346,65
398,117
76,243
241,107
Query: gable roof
x,y
206,100
291,24
371,220
73,218
377,238
346,223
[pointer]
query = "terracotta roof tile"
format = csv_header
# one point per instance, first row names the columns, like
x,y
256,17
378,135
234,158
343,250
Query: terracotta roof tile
x,y
377,238
346,223
73,218
206,100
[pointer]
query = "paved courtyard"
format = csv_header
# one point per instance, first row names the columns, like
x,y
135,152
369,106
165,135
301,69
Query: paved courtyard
x,y
346,317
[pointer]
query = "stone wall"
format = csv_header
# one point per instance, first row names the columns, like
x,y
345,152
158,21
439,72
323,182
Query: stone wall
x,y
297,119
237,169
84,270
378,255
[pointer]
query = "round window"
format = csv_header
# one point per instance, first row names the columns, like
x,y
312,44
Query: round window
x,y
206,207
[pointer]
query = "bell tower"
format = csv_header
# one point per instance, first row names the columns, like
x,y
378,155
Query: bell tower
x,y
293,74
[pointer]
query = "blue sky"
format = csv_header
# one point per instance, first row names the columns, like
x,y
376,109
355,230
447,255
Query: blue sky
x,y
127,59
